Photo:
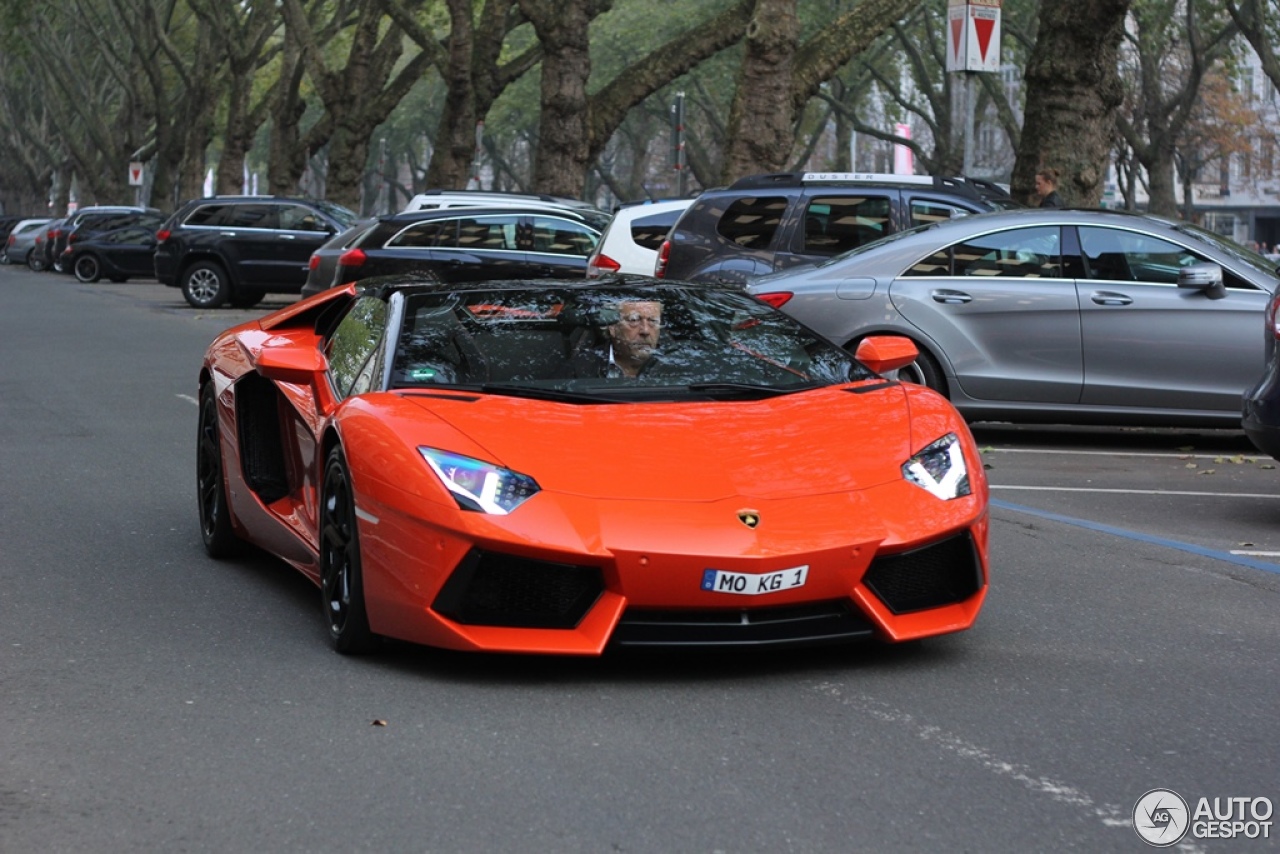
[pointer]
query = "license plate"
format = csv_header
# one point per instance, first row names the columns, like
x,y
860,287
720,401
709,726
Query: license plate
x,y
754,584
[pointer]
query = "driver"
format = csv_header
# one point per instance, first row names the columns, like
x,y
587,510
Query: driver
x,y
632,340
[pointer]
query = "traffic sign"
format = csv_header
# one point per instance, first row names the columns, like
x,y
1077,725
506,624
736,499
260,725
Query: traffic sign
x,y
973,35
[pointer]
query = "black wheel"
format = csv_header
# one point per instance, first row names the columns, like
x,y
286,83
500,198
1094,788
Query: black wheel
x,y
247,298
4,257
341,584
35,260
205,285
87,268
211,490
58,266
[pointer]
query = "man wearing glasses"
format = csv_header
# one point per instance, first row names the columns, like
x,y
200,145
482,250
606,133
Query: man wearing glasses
x,y
631,339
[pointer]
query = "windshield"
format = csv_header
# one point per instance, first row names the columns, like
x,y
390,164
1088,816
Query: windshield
x,y
598,344
1230,247
346,218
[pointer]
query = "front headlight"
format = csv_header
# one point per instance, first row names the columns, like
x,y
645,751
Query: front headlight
x,y
940,469
480,486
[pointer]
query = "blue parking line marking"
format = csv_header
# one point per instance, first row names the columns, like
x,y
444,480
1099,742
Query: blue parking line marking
x,y
1239,560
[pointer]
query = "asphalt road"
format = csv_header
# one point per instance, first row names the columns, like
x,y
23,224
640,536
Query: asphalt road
x,y
154,700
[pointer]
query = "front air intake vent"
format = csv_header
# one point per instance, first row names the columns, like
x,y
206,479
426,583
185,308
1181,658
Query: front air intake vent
x,y
495,589
943,573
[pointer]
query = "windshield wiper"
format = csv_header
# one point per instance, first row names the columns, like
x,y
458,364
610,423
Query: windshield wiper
x,y
553,394
747,389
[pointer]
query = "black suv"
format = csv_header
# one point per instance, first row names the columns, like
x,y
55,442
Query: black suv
x,y
460,244
238,248
764,223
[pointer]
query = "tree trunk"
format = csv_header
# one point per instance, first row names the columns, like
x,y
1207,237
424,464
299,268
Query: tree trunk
x,y
1072,93
763,95
560,162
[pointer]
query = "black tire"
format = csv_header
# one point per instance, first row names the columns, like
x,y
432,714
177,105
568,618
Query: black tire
x,y
341,581
220,539
35,261
247,298
206,285
57,266
925,371
87,268
4,257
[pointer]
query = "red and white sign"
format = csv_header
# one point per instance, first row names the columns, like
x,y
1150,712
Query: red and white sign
x,y
973,35
135,174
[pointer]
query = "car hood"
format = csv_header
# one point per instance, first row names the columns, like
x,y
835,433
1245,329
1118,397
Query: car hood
x,y
826,441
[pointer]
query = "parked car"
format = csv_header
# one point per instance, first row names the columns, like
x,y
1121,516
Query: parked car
x,y
118,255
788,494
236,249
631,241
461,244
99,217
1054,315
766,223
1261,417
40,257
433,199
7,225
96,222
20,240
322,267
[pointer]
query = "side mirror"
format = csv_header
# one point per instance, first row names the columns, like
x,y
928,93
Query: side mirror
x,y
284,361
885,353
1203,277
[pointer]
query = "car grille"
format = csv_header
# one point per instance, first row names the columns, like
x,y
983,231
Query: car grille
x,y
495,589
804,625
939,574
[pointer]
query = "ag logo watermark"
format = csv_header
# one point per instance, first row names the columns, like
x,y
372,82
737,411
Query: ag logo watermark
x,y
1163,818
1160,817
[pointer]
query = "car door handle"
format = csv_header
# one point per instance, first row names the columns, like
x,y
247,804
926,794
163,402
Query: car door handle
x,y
1110,298
951,297
287,236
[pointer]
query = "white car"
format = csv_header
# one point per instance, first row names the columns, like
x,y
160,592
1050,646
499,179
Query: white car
x,y
630,243
432,199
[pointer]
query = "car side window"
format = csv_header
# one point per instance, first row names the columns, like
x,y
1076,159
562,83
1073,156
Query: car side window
x,y
1026,253
208,215
354,346
752,221
250,216
924,211
435,232
835,224
485,232
1112,254
562,236
650,231
300,218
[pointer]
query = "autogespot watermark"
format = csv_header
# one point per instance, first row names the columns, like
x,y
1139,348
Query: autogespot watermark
x,y
1163,818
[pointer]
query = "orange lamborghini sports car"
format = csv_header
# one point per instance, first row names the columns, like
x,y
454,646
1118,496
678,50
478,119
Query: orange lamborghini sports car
x,y
568,467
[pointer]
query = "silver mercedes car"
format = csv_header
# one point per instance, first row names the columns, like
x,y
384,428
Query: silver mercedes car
x,y
1056,316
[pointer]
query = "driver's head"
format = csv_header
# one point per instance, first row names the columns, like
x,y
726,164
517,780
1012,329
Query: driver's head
x,y
635,333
